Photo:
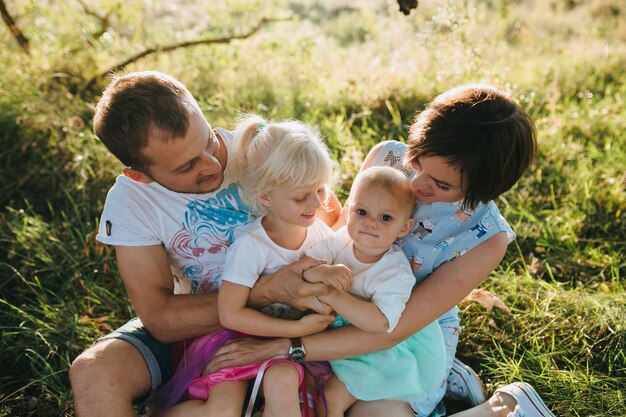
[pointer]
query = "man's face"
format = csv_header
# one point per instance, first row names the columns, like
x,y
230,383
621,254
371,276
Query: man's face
x,y
191,164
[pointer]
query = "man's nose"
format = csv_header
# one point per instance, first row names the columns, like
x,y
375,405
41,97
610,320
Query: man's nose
x,y
208,161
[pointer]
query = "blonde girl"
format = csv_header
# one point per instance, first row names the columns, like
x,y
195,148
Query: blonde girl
x,y
285,172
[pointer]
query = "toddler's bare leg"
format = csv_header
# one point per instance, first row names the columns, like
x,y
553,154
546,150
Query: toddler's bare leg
x,y
225,400
381,408
280,388
337,397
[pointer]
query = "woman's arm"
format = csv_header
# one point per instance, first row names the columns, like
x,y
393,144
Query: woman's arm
x,y
438,293
441,291
233,314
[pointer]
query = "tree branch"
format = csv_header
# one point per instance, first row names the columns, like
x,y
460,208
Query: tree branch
x,y
179,45
104,20
15,31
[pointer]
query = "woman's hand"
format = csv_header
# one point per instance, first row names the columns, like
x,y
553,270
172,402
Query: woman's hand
x,y
246,350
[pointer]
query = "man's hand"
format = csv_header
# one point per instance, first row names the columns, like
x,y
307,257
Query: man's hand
x,y
337,276
246,350
288,287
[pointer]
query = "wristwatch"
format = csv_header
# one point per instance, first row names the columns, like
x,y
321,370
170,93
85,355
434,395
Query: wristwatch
x,y
296,352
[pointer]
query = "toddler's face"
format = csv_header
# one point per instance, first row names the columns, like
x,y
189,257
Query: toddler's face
x,y
376,218
437,181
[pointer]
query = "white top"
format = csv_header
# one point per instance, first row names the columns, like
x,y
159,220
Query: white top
x,y
387,282
194,229
254,254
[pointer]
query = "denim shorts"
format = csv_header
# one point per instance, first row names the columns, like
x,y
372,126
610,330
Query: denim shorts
x,y
157,356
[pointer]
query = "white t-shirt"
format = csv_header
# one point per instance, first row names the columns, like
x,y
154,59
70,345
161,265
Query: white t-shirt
x,y
387,282
254,254
194,229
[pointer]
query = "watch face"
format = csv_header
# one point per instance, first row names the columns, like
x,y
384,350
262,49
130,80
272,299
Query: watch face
x,y
297,354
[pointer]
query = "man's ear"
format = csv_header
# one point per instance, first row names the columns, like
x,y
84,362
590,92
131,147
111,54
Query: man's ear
x,y
407,227
138,176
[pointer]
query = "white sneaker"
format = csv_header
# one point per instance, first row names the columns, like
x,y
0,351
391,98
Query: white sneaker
x,y
529,403
464,384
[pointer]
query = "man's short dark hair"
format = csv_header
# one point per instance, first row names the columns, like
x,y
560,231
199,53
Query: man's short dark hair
x,y
137,106
483,133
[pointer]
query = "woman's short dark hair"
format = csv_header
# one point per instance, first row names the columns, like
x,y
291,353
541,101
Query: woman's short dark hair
x,y
137,106
482,132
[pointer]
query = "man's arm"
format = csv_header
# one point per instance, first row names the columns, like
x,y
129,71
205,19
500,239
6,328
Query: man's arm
x,y
168,317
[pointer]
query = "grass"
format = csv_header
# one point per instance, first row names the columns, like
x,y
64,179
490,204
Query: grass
x,y
359,71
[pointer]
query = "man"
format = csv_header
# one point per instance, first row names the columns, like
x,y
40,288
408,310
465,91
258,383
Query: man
x,y
170,216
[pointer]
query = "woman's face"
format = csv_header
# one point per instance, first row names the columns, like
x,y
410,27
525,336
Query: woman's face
x,y
436,180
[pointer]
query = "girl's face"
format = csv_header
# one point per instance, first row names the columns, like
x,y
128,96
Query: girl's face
x,y
294,207
437,181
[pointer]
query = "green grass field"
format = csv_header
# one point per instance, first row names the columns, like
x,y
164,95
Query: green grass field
x,y
358,70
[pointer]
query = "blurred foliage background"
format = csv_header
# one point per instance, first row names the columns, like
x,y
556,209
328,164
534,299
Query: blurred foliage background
x,y
359,70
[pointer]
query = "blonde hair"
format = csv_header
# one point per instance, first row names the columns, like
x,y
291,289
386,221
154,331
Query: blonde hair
x,y
394,181
288,154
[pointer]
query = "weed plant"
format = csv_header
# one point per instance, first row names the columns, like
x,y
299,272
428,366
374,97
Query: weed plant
x,y
359,70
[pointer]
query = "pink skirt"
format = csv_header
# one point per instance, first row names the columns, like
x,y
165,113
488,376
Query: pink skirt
x,y
188,378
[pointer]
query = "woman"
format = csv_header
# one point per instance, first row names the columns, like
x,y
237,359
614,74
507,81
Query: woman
x,y
470,145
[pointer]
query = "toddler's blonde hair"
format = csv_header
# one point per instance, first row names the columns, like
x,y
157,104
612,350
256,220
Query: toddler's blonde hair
x,y
393,180
288,154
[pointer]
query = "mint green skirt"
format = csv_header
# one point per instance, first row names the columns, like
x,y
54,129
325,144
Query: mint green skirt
x,y
409,371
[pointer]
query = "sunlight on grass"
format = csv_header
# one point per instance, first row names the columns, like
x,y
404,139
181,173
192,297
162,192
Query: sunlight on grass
x,y
359,71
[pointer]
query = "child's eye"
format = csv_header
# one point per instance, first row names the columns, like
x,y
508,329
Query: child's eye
x,y
443,187
386,218
361,212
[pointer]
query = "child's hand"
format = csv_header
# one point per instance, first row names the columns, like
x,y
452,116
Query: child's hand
x,y
337,276
313,323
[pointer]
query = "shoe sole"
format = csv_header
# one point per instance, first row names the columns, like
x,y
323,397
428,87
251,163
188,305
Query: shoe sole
x,y
472,381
